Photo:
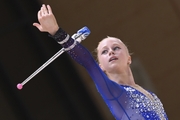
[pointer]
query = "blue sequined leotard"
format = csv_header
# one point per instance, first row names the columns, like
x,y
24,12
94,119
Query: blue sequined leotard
x,y
124,102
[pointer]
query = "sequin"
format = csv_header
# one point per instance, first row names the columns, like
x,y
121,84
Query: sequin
x,y
124,102
145,106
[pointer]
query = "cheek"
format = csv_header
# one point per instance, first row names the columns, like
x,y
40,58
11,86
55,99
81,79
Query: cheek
x,y
102,63
102,60
125,58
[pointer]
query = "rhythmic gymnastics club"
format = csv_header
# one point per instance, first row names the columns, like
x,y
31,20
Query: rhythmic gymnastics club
x,y
79,36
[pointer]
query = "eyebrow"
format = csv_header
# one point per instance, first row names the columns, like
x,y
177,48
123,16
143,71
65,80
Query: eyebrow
x,y
116,44
103,47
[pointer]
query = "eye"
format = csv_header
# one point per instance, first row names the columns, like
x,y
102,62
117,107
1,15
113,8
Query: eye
x,y
104,52
116,48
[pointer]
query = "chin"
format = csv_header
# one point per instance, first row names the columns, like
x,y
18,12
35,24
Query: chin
x,y
114,68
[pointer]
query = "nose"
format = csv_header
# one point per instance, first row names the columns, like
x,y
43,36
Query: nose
x,y
111,52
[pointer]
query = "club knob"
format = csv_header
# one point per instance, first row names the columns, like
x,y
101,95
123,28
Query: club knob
x,y
19,86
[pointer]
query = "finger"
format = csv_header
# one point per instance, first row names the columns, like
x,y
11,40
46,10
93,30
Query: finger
x,y
35,24
44,9
49,9
39,14
38,26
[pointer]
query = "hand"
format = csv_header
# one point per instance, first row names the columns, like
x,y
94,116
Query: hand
x,y
47,21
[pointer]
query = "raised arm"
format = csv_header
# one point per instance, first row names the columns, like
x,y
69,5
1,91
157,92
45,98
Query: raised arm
x,y
47,23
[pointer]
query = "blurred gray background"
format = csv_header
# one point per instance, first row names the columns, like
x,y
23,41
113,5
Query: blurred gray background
x,y
64,90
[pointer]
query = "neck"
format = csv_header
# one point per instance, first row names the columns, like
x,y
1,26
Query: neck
x,y
123,78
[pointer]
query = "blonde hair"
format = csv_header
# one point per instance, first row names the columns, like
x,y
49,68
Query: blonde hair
x,y
96,50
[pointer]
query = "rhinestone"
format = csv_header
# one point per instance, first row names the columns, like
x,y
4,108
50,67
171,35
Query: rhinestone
x,y
150,109
137,105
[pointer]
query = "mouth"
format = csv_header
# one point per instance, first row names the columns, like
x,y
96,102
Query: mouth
x,y
113,58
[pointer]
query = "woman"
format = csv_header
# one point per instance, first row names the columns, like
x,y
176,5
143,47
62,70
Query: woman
x,y
112,76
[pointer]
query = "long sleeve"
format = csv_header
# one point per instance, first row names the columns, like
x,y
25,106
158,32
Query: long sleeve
x,y
107,88
112,93
124,102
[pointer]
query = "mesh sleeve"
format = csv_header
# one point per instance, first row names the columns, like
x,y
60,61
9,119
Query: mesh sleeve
x,y
81,55
112,93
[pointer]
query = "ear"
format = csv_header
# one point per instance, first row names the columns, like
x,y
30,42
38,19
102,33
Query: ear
x,y
129,60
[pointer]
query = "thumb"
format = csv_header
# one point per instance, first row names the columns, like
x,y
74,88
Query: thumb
x,y
38,26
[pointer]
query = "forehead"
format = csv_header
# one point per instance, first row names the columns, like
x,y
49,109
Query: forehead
x,y
109,41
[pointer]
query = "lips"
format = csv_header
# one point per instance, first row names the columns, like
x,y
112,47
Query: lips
x,y
113,58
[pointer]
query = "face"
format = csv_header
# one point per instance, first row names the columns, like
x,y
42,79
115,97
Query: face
x,y
113,55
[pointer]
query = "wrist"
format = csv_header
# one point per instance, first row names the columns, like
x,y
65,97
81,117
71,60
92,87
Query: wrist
x,y
59,35
54,30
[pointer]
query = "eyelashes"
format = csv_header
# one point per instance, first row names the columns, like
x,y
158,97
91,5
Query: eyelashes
x,y
104,52
114,49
